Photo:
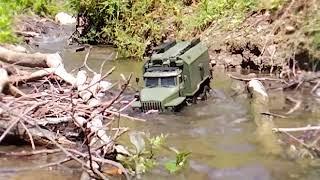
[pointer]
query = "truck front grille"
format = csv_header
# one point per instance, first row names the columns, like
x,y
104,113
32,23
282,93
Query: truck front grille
x,y
151,105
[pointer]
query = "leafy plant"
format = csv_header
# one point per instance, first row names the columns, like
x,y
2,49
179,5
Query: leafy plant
x,y
129,25
141,159
177,164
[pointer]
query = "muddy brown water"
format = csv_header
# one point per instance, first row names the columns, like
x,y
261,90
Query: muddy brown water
x,y
218,132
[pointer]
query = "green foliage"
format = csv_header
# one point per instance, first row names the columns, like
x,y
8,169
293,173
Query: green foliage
x,y
128,24
316,40
270,4
141,159
11,8
180,162
157,141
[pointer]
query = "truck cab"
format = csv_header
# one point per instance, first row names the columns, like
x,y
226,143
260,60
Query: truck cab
x,y
174,73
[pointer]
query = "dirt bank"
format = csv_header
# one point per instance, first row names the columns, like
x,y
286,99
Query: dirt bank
x,y
267,39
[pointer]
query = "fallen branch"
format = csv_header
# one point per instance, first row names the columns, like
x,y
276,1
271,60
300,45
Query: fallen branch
x,y
259,79
307,128
296,106
274,115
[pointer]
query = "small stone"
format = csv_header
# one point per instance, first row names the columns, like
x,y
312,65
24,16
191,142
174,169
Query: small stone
x,y
65,19
290,29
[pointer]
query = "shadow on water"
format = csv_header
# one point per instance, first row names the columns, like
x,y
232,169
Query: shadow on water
x,y
218,132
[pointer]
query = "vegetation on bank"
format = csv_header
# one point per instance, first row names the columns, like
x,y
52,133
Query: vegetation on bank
x,y
135,26
9,9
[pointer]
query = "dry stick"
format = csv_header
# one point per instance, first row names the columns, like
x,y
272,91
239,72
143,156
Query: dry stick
x,y
89,150
103,77
296,107
314,143
102,160
12,124
126,106
125,115
31,153
29,134
272,61
85,61
307,128
36,167
102,65
274,114
308,147
117,97
259,79
53,141
315,87
68,153
293,84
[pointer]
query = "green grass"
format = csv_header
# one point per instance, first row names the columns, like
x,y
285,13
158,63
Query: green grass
x,y
209,11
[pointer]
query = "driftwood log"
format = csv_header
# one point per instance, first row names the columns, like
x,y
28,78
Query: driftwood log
x,y
52,64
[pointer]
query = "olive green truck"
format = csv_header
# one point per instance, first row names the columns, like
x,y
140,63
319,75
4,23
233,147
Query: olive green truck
x,y
177,72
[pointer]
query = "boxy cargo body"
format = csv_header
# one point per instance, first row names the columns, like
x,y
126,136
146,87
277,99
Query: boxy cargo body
x,y
174,73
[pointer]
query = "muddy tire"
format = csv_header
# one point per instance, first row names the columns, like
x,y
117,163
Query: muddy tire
x,y
179,107
205,93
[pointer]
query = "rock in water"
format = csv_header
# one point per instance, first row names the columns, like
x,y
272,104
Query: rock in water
x,y
65,19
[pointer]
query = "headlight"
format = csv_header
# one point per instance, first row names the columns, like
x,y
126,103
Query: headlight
x,y
137,96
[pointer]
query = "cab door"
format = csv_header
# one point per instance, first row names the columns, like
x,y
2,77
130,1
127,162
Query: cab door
x,y
180,82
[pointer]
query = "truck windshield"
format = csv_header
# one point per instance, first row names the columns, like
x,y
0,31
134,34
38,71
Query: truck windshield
x,y
152,81
168,81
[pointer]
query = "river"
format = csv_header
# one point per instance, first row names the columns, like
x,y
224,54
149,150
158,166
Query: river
x,y
219,133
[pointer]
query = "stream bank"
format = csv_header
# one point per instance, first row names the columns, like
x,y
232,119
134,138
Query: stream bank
x,y
218,132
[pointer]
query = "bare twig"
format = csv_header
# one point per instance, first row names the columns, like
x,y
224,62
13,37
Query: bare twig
x,y
296,107
102,78
107,59
307,128
12,124
117,97
36,167
274,114
260,79
31,153
85,61
29,134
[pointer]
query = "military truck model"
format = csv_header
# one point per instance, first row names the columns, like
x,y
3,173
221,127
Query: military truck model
x,y
175,73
